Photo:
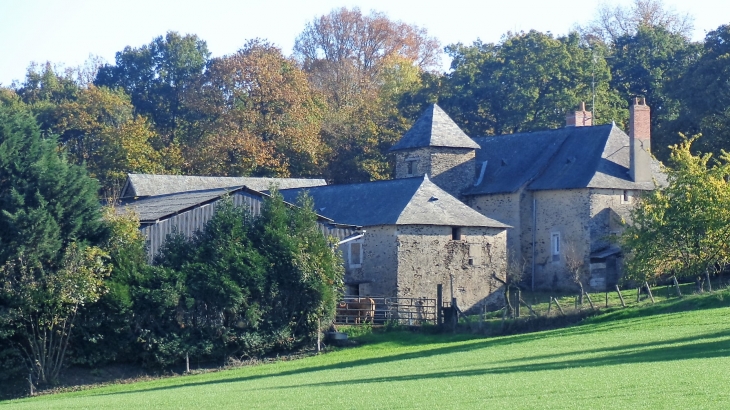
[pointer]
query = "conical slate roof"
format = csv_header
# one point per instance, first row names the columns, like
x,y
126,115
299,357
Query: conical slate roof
x,y
435,129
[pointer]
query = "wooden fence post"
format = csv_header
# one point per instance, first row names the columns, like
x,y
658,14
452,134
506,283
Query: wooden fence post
x,y
623,304
648,290
319,334
439,304
638,294
528,307
676,285
606,298
30,381
558,305
187,362
517,305
590,301
550,305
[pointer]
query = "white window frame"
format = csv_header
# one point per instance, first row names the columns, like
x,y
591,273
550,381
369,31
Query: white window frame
x,y
349,253
555,246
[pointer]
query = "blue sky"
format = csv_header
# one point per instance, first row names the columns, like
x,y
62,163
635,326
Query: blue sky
x,y
67,31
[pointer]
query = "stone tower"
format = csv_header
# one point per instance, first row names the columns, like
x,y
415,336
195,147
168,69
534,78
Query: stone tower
x,y
436,146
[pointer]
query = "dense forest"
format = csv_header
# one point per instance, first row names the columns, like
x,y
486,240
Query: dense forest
x,y
354,84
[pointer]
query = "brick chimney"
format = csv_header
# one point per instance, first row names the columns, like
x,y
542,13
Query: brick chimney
x,y
579,118
640,141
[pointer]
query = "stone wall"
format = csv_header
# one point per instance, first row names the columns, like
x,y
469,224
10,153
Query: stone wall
x,y
452,169
563,212
504,208
377,274
608,213
428,256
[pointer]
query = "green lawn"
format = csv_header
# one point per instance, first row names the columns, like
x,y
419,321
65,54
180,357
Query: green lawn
x,y
634,358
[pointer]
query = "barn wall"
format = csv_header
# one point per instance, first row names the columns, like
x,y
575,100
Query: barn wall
x,y
195,219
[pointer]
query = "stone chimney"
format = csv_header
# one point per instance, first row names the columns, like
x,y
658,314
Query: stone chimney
x,y
640,141
579,118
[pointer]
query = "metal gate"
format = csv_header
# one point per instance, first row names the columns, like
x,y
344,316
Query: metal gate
x,y
355,310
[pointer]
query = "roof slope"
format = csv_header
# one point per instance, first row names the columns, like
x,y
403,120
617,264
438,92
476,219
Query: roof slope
x,y
564,158
149,185
434,129
512,163
158,207
406,201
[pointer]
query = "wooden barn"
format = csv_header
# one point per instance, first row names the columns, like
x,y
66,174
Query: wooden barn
x,y
164,209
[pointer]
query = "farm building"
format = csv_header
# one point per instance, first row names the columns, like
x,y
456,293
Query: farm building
x,y
566,193
166,209
415,236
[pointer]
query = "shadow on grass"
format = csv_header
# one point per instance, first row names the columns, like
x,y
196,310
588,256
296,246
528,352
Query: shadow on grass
x,y
630,354
507,340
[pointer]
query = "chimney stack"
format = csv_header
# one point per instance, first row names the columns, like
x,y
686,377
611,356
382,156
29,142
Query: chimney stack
x,y
579,118
640,141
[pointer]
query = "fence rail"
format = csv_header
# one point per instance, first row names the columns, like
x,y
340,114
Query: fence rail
x,y
356,310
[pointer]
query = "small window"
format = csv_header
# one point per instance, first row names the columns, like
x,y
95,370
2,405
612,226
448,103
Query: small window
x,y
455,234
555,245
626,196
410,167
355,254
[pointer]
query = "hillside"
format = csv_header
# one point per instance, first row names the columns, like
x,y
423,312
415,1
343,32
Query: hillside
x,y
619,360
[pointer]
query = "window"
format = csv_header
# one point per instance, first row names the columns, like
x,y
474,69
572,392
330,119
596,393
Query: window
x,y
555,245
455,234
626,196
355,254
411,165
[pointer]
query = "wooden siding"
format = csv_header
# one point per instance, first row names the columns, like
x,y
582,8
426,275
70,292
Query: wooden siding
x,y
193,220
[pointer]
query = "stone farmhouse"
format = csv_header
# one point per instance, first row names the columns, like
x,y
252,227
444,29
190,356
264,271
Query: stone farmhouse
x,y
566,193
460,211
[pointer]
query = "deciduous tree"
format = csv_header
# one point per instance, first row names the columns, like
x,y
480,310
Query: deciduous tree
x,y
258,116
612,22
528,81
682,229
156,76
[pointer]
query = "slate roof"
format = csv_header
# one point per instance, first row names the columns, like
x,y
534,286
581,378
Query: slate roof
x,y
434,129
140,185
564,158
154,208
406,201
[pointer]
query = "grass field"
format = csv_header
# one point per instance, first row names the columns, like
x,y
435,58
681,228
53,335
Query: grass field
x,y
661,356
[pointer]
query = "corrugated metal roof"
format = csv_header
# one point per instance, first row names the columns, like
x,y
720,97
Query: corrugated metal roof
x,y
407,201
434,129
139,185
